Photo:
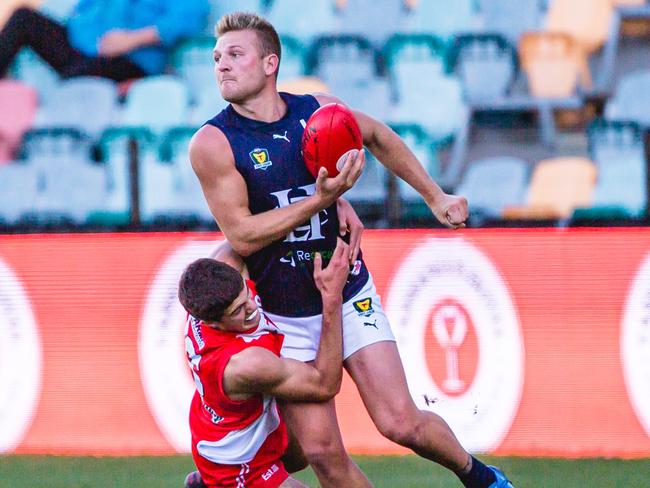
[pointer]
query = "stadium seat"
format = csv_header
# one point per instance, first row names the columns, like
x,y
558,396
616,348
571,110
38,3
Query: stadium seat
x,y
303,85
188,196
68,106
630,100
370,189
342,61
511,17
486,65
626,3
116,153
157,102
29,68
441,18
347,64
618,150
193,61
18,102
492,184
71,191
412,57
586,21
56,145
424,148
294,58
442,112
554,64
375,20
557,186
19,184
222,7
303,20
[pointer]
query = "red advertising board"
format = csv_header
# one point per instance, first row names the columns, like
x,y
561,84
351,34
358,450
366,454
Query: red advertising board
x,y
529,342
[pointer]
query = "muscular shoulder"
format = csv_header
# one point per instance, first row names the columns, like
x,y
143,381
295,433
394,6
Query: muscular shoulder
x,y
325,98
210,149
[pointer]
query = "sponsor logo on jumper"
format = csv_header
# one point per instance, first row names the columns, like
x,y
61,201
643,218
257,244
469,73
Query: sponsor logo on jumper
x,y
281,136
270,472
310,230
214,416
459,337
364,307
196,331
260,158
301,257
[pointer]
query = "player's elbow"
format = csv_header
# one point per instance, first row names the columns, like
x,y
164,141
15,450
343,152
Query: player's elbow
x,y
243,248
328,390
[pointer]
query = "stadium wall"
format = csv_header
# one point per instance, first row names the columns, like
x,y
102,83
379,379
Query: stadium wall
x,y
528,341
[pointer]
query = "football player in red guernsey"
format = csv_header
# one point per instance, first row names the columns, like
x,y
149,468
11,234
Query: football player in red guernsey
x,y
238,435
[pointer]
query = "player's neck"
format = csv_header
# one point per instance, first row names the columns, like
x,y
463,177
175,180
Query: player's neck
x,y
267,106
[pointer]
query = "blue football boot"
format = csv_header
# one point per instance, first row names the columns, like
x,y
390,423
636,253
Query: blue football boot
x,y
502,481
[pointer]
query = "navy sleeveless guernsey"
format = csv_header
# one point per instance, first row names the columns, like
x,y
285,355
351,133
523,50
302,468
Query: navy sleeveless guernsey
x,y
268,156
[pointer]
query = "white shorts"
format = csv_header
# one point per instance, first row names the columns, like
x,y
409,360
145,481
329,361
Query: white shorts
x,y
364,323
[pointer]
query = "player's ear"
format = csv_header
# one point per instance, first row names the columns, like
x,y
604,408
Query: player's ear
x,y
271,64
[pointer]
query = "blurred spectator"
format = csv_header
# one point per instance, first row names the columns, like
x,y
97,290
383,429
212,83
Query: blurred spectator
x,y
117,39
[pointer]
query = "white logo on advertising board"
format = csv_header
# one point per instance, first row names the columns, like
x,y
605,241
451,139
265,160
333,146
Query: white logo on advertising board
x,y
459,337
166,378
20,361
635,344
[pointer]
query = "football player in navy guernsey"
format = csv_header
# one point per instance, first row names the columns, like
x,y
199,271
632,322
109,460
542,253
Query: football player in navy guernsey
x,y
277,216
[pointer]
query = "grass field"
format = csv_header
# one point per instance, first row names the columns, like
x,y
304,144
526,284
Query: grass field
x,y
384,472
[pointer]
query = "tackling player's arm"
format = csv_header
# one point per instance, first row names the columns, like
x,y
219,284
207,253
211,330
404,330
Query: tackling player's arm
x,y
225,191
392,152
256,370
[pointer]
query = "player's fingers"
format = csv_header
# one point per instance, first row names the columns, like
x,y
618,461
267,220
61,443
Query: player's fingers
x,y
342,249
357,168
321,179
343,224
347,166
355,243
318,264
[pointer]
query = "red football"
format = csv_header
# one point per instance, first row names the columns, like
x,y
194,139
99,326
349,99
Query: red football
x,y
330,133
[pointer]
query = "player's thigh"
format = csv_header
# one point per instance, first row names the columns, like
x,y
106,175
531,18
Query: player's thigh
x,y
314,425
379,375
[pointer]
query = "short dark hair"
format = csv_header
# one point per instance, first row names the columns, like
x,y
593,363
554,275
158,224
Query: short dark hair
x,y
207,288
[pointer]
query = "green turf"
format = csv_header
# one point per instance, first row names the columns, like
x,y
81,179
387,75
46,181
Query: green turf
x,y
384,472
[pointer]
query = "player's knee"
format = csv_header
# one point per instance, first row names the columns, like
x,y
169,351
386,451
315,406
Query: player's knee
x,y
325,456
403,429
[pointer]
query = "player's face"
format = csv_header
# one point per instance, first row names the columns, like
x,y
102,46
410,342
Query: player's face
x,y
240,68
242,314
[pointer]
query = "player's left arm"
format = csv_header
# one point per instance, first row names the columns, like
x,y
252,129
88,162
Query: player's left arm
x,y
226,254
392,152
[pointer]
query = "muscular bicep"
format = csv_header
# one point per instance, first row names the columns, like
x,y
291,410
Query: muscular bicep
x,y
223,186
258,371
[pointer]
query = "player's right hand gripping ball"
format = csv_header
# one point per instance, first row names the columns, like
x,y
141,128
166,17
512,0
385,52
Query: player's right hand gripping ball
x,y
330,134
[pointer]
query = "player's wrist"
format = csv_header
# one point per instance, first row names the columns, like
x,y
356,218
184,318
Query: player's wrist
x,y
331,300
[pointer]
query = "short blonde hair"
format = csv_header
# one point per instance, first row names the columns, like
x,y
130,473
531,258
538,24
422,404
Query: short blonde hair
x,y
266,33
